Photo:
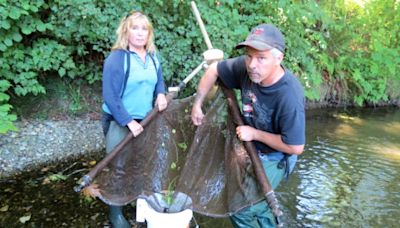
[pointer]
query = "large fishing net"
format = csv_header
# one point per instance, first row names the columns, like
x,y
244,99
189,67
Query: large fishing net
x,y
207,163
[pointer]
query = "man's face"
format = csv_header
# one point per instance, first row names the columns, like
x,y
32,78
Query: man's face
x,y
262,66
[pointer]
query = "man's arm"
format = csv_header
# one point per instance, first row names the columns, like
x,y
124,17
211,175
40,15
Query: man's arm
x,y
206,83
247,133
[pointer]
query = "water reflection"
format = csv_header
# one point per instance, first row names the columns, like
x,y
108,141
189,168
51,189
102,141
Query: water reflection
x,y
350,172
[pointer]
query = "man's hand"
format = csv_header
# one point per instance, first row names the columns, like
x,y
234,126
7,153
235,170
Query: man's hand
x,y
245,133
161,102
206,83
197,115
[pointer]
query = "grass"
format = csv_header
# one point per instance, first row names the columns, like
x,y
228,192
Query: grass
x,y
64,98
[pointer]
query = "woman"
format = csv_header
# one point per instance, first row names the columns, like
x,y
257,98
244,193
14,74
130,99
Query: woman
x,y
132,78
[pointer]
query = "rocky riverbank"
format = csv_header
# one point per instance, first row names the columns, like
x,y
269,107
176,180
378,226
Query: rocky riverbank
x,y
39,142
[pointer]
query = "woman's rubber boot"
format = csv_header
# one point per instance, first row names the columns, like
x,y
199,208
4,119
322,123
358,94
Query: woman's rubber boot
x,y
117,218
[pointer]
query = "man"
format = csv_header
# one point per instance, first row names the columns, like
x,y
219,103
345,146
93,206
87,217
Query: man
x,y
273,110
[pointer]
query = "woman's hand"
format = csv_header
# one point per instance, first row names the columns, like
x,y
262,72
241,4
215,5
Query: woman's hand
x,y
197,115
135,128
161,102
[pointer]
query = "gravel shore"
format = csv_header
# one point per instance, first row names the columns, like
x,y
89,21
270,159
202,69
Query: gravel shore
x,y
40,142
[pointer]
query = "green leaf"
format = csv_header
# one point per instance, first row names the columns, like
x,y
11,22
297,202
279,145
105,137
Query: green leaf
x,y
41,27
8,42
4,85
49,26
61,72
3,47
5,24
26,30
173,165
4,97
20,90
34,9
17,37
7,125
25,5
57,177
14,13
69,64
5,108
183,146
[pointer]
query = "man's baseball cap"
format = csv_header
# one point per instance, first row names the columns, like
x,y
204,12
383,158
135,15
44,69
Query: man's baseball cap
x,y
264,37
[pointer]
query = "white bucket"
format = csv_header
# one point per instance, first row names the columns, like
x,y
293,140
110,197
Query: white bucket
x,y
161,220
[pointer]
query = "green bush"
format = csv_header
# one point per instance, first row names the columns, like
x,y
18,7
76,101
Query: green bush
x,y
363,50
341,51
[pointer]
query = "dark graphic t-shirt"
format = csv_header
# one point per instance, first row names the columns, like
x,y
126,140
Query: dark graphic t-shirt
x,y
277,109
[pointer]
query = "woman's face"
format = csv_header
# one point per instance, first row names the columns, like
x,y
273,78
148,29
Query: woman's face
x,y
138,35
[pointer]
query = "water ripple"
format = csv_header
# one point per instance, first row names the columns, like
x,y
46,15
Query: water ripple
x,y
349,174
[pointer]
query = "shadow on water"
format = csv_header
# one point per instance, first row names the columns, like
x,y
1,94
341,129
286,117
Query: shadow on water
x,y
349,175
45,198
42,198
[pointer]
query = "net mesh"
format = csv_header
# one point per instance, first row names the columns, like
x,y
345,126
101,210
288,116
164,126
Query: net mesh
x,y
208,163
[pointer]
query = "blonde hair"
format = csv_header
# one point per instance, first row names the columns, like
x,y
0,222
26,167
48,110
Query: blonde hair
x,y
123,31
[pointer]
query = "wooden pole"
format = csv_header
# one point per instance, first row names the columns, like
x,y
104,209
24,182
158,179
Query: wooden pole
x,y
87,179
251,150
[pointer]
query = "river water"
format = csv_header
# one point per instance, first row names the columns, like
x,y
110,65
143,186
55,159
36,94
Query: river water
x,y
348,176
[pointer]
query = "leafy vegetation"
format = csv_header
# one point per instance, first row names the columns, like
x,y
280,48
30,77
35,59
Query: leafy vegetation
x,y
363,50
343,51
